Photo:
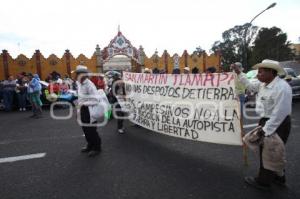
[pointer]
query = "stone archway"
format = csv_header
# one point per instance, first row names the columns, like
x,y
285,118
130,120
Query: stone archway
x,y
120,55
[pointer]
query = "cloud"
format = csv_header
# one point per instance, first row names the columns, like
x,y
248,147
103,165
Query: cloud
x,y
54,26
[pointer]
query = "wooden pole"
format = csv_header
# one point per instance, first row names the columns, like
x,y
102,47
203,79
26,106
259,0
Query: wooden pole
x,y
245,149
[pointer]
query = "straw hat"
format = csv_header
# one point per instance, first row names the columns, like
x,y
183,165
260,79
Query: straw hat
x,y
80,69
186,68
267,63
147,70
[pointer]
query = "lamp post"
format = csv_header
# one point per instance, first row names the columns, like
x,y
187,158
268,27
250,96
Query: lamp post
x,y
246,30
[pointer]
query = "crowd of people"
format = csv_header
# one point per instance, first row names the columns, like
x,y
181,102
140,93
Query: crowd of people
x,y
14,91
26,87
273,105
19,92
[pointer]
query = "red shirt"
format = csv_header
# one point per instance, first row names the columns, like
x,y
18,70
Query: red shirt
x,y
99,82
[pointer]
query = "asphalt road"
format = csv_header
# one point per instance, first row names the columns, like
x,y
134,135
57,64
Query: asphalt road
x,y
139,164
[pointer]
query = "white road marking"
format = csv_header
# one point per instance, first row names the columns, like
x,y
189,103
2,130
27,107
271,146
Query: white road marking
x,y
23,157
250,125
39,139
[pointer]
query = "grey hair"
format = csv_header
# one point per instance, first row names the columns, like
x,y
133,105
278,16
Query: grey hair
x,y
239,65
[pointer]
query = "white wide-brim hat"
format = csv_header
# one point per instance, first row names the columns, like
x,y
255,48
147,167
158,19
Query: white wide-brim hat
x,y
80,69
147,70
267,63
186,68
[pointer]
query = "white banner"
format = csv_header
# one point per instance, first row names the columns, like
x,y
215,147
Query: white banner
x,y
200,107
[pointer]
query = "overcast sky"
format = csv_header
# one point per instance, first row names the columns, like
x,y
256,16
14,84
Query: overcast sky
x,y
52,26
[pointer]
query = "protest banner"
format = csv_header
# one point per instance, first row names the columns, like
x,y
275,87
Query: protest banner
x,y
200,107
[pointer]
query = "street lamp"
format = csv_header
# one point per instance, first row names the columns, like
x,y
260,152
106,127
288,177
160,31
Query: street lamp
x,y
247,27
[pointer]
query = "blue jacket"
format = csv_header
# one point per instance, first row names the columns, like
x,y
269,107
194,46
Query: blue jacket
x,y
35,84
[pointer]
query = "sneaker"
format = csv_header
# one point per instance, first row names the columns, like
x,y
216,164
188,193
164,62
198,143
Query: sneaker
x,y
93,153
253,182
85,150
24,109
121,131
20,109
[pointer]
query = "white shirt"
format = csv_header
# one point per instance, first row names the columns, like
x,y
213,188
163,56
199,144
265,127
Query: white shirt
x,y
87,93
239,86
274,101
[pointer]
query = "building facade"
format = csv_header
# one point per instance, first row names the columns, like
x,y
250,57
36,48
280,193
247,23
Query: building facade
x,y
118,55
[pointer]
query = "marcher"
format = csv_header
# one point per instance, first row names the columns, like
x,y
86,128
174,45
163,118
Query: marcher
x,y
211,69
147,70
68,80
86,99
49,78
63,87
162,71
118,93
240,88
274,105
176,71
98,81
34,91
9,87
21,90
186,70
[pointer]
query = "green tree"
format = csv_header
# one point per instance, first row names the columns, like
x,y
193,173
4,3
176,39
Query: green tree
x,y
198,51
271,43
235,44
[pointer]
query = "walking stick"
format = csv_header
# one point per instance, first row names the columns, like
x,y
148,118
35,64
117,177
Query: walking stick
x,y
245,149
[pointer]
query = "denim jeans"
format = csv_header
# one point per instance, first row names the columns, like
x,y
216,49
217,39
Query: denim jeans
x,y
8,97
22,100
1,95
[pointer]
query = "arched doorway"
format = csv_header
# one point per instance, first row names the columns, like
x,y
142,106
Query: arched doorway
x,y
155,71
195,70
118,63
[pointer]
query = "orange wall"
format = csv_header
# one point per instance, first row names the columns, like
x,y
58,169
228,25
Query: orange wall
x,y
48,68
15,68
211,60
60,65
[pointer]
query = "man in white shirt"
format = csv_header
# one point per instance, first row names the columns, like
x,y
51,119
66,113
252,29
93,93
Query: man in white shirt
x,y
87,93
274,105
240,88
